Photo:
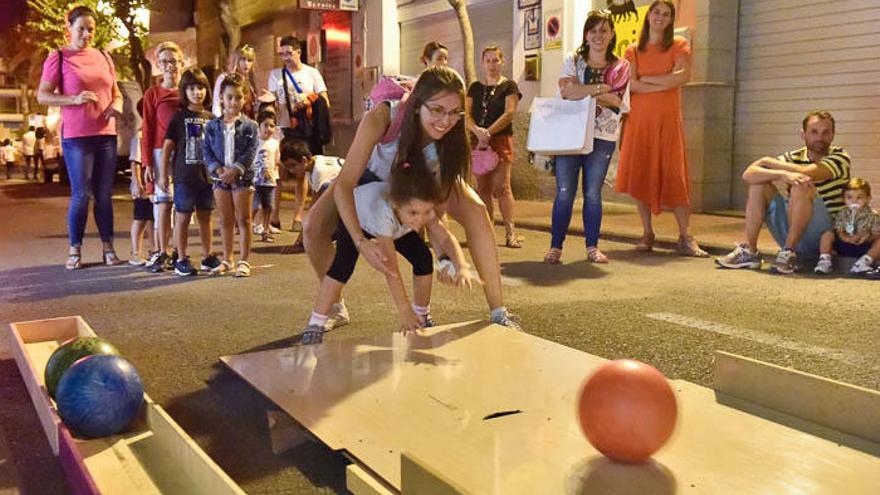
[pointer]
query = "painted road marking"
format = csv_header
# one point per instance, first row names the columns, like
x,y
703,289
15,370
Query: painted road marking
x,y
844,356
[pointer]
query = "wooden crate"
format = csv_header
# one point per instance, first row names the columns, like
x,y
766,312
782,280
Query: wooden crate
x,y
155,457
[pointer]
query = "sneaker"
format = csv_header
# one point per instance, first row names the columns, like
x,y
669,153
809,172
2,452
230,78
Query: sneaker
x,y
267,237
823,267
163,263
258,229
740,257
152,259
785,262
873,274
274,230
862,266
338,316
210,263
242,269
136,260
313,334
428,322
506,319
184,268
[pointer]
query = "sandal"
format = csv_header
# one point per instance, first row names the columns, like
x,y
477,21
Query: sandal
x,y
646,243
553,257
596,256
224,267
687,246
242,269
110,258
512,241
74,261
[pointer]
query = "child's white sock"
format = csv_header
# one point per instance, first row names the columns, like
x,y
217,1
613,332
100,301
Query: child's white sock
x,y
421,310
318,320
826,256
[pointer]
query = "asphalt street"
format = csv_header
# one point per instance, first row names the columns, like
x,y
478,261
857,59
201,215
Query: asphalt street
x,y
669,311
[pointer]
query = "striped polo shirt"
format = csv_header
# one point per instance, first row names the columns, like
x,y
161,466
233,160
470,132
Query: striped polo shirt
x,y
837,162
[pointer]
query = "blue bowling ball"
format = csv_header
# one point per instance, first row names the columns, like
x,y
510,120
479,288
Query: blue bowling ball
x,y
99,396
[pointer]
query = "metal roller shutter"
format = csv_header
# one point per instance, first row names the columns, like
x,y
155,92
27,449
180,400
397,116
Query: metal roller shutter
x,y
491,23
795,56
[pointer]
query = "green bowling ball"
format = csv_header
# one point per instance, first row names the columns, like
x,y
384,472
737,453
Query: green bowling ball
x,y
68,353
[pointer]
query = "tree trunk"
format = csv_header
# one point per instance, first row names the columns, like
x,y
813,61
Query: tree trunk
x,y
137,60
231,30
467,34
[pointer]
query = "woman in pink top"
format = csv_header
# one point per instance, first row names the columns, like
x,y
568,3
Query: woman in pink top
x,y
82,81
161,102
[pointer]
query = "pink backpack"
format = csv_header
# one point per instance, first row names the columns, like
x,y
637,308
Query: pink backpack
x,y
392,88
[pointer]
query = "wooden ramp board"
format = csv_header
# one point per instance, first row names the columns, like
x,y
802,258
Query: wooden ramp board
x,y
155,457
427,397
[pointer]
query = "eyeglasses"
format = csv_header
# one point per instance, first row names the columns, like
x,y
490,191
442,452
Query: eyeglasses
x,y
438,112
167,62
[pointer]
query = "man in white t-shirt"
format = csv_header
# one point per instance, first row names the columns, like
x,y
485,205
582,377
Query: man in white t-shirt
x,y
295,86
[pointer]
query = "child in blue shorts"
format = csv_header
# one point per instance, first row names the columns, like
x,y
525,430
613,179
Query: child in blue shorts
x,y
193,190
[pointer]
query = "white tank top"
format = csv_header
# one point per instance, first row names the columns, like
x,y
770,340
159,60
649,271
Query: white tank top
x,y
383,154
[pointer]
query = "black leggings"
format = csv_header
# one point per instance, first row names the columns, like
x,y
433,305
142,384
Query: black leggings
x,y
411,246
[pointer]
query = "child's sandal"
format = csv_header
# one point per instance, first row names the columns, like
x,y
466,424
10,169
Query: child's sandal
x,y
596,256
224,267
242,269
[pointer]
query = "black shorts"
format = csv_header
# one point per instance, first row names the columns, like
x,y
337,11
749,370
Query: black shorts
x,y
411,246
143,210
193,196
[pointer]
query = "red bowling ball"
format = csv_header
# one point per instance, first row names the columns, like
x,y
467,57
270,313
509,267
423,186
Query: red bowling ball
x,y
627,410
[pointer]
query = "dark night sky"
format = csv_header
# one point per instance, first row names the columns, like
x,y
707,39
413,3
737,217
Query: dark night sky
x,y
12,13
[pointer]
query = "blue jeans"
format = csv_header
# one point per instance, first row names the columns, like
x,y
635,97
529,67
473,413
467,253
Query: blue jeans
x,y
777,223
91,166
593,167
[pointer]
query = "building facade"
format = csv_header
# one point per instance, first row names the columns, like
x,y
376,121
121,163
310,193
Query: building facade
x,y
758,66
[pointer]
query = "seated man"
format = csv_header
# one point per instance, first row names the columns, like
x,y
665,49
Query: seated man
x,y
815,176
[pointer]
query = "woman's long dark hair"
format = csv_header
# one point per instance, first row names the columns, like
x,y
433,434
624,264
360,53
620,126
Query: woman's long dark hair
x,y
594,18
668,34
453,149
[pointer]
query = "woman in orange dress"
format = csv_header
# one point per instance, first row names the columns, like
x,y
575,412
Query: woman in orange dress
x,y
653,164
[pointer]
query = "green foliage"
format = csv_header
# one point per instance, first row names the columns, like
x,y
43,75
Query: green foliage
x,y
46,28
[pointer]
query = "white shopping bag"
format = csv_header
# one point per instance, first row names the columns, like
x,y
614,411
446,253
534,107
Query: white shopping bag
x,y
562,127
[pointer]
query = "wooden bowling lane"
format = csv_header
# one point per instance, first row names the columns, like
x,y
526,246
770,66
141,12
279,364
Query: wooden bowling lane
x,y
490,410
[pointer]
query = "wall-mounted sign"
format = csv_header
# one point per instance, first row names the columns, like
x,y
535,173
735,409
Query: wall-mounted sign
x,y
553,30
348,5
627,26
319,4
532,28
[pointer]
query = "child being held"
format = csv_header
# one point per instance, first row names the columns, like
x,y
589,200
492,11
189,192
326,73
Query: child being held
x,y
392,215
856,231
266,177
317,172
